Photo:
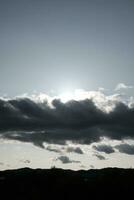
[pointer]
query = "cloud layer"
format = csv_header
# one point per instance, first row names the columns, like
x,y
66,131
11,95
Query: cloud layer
x,y
80,121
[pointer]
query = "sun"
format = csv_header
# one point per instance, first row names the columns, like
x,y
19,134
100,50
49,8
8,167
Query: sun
x,y
77,94
66,96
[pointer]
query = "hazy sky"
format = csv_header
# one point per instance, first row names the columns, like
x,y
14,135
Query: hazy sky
x,y
72,62
63,45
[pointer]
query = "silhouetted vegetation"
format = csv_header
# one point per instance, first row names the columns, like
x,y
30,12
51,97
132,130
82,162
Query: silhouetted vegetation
x,y
55,183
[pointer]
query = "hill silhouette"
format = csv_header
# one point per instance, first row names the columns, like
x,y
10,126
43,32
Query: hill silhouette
x,y
54,183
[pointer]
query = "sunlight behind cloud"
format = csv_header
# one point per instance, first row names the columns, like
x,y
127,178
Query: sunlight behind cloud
x,y
66,96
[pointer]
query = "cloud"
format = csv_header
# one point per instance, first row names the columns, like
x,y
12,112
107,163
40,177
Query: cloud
x,y
125,148
123,86
68,149
92,166
101,89
104,148
82,166
25,161
100,157
80,121
66,159
74,149
1,163
56,150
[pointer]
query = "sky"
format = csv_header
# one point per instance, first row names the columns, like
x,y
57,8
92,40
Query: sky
x,y
66,83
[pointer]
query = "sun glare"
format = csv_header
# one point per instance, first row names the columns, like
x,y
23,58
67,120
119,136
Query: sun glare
x,y
66,96
77,94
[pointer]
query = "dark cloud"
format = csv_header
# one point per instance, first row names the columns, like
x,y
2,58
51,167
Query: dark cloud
x,y
68,149
49,148
82,166
66,159
100,157
75,150
104,148
77,121
92,166
25,161
1,163
125,148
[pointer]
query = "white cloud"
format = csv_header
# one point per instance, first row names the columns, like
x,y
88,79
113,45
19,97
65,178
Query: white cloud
x,y
123,86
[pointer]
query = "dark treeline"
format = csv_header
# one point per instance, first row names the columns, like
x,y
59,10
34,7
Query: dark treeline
x,y
66,184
